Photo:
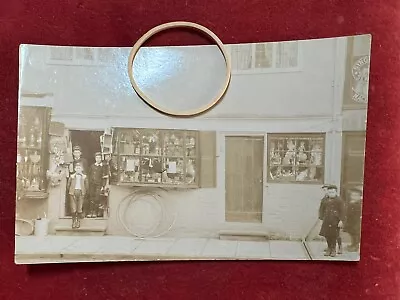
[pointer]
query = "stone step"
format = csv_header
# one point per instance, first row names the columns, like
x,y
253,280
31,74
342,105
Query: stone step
x,y
237,235
89,227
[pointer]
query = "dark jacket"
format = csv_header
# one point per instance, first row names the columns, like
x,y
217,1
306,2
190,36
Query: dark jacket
x,y
322,208
331,213
97,174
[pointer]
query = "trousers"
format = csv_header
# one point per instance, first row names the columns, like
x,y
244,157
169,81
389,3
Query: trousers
x,y
76,201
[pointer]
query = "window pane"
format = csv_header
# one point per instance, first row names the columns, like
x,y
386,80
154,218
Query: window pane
x,y
173,143
61,53
151,169
263,58
151,142
287,55
190,174
174,171
296,158
190,144
241,57
85,53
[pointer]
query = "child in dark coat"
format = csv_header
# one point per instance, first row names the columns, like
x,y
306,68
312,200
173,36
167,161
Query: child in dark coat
x,y
353,219
321,212
96,184
332,215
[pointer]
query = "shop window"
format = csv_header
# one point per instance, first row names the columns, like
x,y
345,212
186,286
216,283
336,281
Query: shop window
x,y
265,57
296,158
32,152
164,157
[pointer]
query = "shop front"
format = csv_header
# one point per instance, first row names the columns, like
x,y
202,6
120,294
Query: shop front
x,y
199,182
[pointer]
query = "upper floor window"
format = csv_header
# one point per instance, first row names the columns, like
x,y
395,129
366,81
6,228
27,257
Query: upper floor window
x,y
77,56
265,57
61,53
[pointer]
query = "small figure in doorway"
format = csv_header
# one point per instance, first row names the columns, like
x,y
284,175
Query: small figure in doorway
x,y
96,183
353,219
332,215
77,187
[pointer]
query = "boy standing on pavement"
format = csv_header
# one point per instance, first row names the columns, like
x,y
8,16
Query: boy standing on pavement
x,y
322,206
332,215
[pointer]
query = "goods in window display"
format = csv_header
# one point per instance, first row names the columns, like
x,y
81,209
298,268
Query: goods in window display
x,y
153,156
302,158
32,145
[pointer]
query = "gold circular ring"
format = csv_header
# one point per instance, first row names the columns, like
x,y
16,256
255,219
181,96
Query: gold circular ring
x,y
167,26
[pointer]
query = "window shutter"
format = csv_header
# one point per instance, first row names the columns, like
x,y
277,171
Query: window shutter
x,y
208,153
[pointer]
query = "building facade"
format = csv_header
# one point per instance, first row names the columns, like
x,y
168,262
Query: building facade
x,y
293,119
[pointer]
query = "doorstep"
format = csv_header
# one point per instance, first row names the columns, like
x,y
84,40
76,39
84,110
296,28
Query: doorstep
x,y
89,227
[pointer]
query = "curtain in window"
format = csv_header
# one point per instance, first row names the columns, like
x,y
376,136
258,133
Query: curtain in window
x,y
241,57
263,57
287,55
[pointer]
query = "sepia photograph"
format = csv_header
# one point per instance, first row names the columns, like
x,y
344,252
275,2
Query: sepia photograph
x,y
275,171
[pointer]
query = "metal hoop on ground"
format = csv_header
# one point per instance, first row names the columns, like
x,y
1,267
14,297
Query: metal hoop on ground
x,y
131,199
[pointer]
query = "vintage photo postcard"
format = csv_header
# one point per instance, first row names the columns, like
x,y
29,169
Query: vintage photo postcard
x,y
274,171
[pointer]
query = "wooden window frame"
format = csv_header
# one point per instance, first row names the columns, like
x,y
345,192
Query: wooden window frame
x,y
77,56
273,69
295,136
25,169
161,133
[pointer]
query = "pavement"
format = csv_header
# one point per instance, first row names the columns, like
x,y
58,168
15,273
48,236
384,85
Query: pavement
x,y
50,249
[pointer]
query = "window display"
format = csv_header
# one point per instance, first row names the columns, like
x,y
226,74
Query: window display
x,y
154,156
296,158
32,144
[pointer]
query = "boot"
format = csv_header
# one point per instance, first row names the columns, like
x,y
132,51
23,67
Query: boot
x,y
73,220
327,252
333,253
340,249
78,223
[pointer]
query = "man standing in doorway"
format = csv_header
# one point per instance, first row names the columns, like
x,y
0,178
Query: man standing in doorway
x,y
332,215
77,158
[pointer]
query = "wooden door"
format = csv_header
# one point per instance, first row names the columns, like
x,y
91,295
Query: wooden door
x,y
353,161
244,178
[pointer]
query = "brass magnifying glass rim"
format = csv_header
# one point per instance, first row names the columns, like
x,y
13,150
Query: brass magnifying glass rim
x,y
178,24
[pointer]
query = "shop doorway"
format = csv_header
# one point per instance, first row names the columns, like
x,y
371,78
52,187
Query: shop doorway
x,y
89,141
353,161
244,161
